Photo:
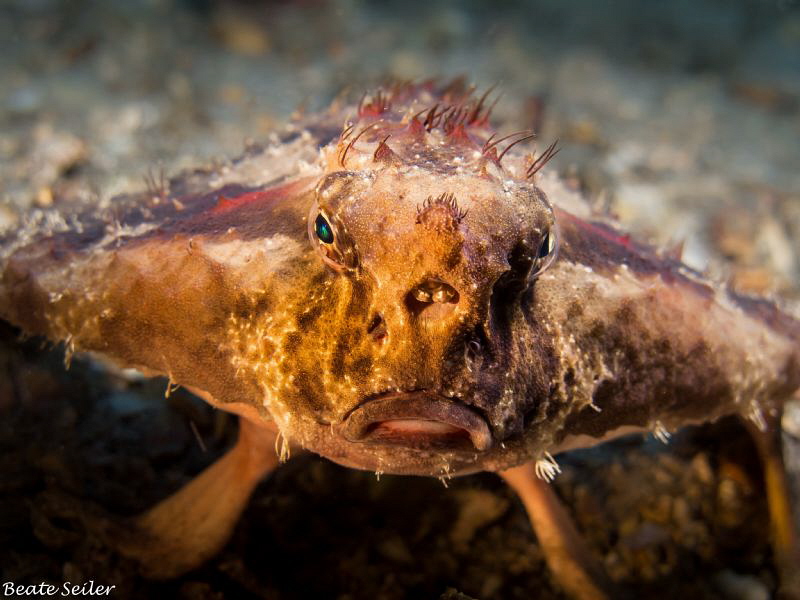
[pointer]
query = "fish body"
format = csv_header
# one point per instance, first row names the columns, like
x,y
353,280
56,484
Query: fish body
x,y
468,313
393,286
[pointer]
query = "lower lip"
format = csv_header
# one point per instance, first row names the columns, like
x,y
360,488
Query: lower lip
x,y
420,419
417,427
419,433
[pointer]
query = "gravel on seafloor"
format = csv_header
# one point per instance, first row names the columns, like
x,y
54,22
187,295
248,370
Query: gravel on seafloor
x,y
681,118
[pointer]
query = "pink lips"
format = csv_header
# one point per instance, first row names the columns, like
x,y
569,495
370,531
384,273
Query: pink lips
x,y
418,420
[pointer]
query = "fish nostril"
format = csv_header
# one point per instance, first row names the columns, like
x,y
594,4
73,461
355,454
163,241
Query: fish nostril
x,y
429,293
375,323
421,295
377,328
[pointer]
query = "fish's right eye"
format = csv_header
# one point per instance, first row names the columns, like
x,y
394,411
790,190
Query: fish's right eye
x,y
323,229
330,240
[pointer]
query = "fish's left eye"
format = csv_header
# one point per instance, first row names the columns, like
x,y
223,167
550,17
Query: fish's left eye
x,y
546,254
547,246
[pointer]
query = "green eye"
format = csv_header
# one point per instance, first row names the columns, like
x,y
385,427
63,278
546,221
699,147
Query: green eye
x,y
323,230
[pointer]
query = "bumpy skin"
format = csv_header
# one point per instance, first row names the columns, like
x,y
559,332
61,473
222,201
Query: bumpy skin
x,y
435,334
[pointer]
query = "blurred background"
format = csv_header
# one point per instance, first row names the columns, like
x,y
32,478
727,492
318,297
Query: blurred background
x,y
682,118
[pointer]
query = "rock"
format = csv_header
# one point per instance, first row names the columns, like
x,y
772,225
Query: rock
x,y
702,468
241,35
454,594
740,587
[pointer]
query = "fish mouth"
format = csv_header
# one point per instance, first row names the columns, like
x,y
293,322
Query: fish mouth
x,y
422,420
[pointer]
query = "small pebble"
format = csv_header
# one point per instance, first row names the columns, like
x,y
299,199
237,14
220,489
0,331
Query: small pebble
x,y
735,586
